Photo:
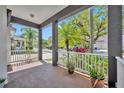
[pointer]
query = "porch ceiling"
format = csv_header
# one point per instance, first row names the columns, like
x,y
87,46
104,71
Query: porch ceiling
x,y
40,12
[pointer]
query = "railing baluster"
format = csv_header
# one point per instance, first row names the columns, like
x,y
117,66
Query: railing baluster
x,y
80,62
103,64
17,55
83,61
14,56
69,56
99,63
95,61
11,57
26,53
91,61
88,61
77,60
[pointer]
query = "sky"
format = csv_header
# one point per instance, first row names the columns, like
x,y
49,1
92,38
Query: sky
x,y
47,31
18,28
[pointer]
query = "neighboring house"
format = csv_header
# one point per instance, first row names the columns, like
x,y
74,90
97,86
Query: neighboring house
x,y
17,42
102,42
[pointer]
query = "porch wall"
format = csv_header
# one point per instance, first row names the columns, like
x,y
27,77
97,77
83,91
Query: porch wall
x,y
3,42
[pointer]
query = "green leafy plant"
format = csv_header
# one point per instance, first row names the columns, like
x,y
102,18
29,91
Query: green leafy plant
x,y
2,80
70,66
96,74
97,61
30,36
93,73
100,76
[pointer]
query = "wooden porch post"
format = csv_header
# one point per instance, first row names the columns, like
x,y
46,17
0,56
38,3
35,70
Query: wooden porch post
x,y
40,44
3,42
114,41
54,43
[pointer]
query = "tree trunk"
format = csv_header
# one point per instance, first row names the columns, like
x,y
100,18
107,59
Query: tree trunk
x,y
67,44
67,48
91,31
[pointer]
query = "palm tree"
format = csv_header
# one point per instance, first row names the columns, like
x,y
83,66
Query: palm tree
x,y
67,35
30,36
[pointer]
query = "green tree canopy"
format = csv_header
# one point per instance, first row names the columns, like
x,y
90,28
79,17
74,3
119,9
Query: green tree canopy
x,y
31,37
67,35
82,24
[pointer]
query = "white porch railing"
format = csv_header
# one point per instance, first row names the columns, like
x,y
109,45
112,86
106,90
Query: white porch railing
x,y
120,72
22,55
83,61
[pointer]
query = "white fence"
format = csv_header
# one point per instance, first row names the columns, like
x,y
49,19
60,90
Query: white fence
x,y
22,55
83,61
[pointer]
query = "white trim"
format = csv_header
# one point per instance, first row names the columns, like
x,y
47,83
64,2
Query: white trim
x,y
120,60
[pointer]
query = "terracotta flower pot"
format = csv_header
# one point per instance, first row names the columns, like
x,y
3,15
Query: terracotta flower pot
x,y
70,71
93,80
97,83
100,84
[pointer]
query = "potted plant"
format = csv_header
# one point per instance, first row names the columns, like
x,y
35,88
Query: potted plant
x,y
2,82
71,67
93,75
97,78
100,78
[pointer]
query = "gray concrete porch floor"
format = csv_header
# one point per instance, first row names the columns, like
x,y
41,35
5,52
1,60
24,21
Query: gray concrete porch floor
x,y
44,75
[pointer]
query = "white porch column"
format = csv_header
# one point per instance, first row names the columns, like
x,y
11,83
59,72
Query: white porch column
x,y
3,42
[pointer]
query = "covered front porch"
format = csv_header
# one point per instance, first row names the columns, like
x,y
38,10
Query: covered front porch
x,y
43,74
